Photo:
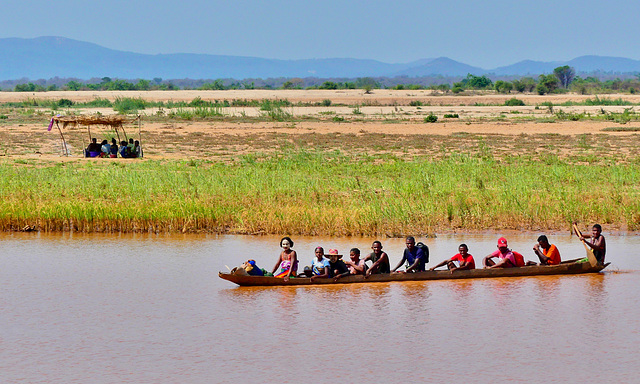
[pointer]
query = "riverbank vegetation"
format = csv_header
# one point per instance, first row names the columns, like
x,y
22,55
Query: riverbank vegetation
x,y
321,193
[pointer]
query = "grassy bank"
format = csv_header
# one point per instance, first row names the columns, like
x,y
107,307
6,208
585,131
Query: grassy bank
x,y
318,193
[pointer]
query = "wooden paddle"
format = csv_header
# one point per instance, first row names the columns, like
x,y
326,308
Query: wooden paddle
x,y
592,258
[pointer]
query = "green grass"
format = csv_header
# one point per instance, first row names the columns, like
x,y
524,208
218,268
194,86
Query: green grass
x,y
319,193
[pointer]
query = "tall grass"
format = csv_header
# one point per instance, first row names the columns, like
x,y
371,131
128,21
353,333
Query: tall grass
x,y
317,193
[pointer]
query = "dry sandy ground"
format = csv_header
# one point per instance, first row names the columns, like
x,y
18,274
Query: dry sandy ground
x,y
349,97
385,112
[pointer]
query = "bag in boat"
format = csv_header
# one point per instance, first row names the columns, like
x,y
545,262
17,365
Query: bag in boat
x,y
425,250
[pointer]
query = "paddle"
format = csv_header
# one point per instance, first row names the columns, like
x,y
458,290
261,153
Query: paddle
x,y
592,258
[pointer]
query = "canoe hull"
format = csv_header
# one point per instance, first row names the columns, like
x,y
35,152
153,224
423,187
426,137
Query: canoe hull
x,y
567,268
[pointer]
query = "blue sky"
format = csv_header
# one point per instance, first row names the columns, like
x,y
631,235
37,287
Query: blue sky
x,y
487,33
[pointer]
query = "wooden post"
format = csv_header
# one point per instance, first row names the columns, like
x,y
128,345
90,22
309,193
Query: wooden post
x,y
64,142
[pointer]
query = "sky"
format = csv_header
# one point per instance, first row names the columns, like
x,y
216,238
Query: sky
x,y
487,34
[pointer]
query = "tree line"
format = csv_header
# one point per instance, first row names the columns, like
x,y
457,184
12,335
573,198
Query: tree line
x,y
563,79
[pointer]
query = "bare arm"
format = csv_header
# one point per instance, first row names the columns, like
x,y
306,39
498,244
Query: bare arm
x,y
400,263
499,263
464,265
543,259
341,275
440,265
376,265
414,265
273,272
598,244
324,275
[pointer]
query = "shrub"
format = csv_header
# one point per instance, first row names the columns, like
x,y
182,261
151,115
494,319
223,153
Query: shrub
x,y
124,105
514,102
541,89
328,85
415,103
451,116
431,118
326,102
65,103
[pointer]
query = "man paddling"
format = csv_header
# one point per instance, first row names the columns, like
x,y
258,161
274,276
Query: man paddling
x,y
508,258
597,242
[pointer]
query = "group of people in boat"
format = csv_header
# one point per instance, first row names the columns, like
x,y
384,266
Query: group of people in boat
x,y
415,257
127,150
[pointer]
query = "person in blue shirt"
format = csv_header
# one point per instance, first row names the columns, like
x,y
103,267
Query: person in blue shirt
x,y
414,256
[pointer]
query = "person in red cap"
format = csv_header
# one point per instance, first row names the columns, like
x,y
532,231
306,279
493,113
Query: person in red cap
x,y
508,258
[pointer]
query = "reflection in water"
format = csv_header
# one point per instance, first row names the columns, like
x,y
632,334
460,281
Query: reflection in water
x,y
155,312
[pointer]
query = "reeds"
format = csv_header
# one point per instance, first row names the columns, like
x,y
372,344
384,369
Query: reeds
x,y
317,193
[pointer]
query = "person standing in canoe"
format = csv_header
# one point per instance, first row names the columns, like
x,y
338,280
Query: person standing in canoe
x,y
596,242
548,255
464,259
380,260
412,255
287,264
508,258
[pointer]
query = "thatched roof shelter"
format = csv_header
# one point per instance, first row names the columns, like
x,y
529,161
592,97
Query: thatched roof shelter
x,y
112,121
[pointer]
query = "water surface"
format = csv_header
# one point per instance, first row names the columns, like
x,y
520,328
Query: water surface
x,y
151,309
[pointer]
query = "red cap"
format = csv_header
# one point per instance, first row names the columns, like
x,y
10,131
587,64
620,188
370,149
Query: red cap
x,y
502,242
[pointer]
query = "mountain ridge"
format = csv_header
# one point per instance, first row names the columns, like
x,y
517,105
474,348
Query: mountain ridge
x,y
53,56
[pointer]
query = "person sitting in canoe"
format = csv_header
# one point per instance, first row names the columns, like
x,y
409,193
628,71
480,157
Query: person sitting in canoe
x,y
508,258
548,255
379,259
319,265
337,267
356,265
414,256
463,258
287,264
597,242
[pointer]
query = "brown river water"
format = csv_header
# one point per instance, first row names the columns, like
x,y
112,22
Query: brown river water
x,y
151,309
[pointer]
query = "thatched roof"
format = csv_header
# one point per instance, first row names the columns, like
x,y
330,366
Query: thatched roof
x,y
111,121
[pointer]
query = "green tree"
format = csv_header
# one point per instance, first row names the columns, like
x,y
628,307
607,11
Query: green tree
x,y
328,85
565,75
549,82
503,86
366,83
477,82
143,85
73,85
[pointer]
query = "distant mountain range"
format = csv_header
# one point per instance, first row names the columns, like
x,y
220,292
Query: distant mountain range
x,y
48,57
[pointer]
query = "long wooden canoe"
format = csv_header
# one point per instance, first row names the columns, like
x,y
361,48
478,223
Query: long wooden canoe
x,y
565,268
